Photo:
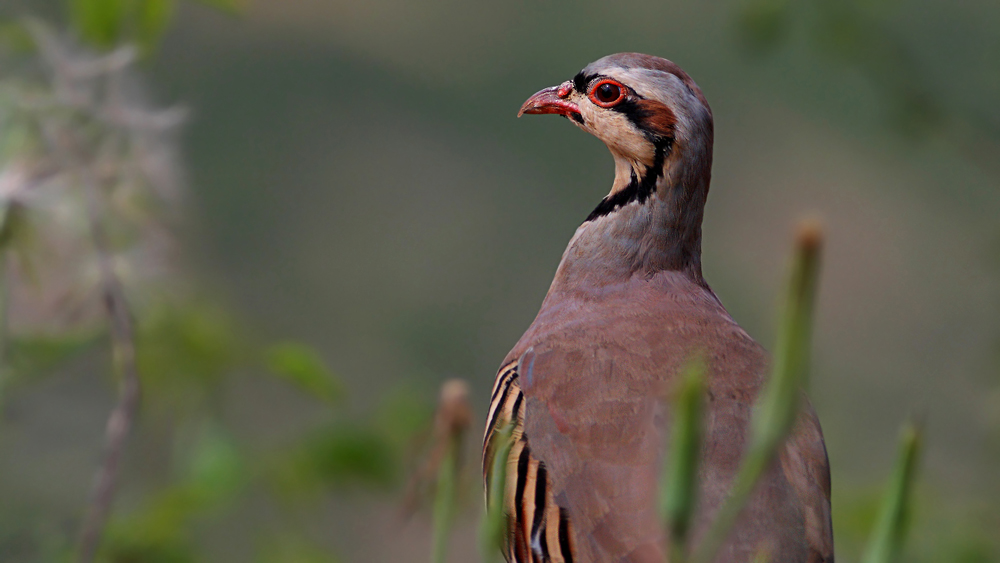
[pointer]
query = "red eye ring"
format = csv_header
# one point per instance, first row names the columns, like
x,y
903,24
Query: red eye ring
x,y
607,93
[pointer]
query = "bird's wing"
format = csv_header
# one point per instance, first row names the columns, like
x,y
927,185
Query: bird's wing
x,y
595,428
538,528
586,496
805,466
583,475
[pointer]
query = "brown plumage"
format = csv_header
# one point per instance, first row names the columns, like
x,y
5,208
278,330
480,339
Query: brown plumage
x,y
627,308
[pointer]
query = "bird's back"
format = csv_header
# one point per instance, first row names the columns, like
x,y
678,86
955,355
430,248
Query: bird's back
x,y
588,384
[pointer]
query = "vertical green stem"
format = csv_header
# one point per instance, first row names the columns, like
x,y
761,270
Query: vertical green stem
x,y
5,373
778,406
890,530
678,480
493,527
444,500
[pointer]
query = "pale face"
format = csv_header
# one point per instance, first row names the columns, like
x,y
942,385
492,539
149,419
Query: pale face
x,y
643,108
599,117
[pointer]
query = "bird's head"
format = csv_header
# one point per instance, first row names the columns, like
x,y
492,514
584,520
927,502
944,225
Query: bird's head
x,y
649,113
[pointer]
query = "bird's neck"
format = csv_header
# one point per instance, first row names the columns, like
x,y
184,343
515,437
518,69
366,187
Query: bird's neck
x,y
647,224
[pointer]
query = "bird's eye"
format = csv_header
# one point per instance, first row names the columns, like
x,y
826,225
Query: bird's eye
x,y
607,93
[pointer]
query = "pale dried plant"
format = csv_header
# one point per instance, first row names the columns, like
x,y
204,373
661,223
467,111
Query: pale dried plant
x,y
89,182
82,146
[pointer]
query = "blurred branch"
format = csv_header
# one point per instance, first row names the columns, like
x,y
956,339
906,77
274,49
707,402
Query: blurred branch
x,y
5,372
778,406
68,149
122,418
91,130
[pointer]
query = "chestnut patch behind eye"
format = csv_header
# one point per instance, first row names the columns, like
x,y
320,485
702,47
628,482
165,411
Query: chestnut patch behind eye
x,y
651,117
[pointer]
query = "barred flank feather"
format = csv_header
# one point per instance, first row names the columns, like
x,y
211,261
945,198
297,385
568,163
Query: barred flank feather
x,y
538,529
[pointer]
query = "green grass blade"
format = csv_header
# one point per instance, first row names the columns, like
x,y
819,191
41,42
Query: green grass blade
x,y
890,529
778,405
444,502
678,481
493,527
452,419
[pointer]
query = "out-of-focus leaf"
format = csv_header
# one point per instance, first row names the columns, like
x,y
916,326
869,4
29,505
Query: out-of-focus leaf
x,y
890,530
99,22
352,454
293,550
184,343
763,24
32,356
231,6
16,38
160,530
154,17
303,367
854,513
342,456
123,545
217,468
105,23
19,233
403,413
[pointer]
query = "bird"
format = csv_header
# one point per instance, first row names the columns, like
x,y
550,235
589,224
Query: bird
x,y
584,389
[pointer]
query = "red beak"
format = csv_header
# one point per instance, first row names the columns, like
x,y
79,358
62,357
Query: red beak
x,y
551,100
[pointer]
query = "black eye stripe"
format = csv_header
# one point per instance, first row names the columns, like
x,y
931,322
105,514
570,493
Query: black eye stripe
x,y
582,83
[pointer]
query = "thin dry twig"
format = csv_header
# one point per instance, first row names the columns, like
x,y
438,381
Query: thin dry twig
x,y
101,137
122,418
74,159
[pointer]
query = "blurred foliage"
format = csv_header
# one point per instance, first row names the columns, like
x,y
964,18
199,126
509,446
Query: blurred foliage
x,y
162,529
855,34
82,153
184,349
301,366
293,550
109,23
30,357
341,456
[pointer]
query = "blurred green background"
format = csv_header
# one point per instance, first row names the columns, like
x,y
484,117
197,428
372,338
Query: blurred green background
x,y
356,181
